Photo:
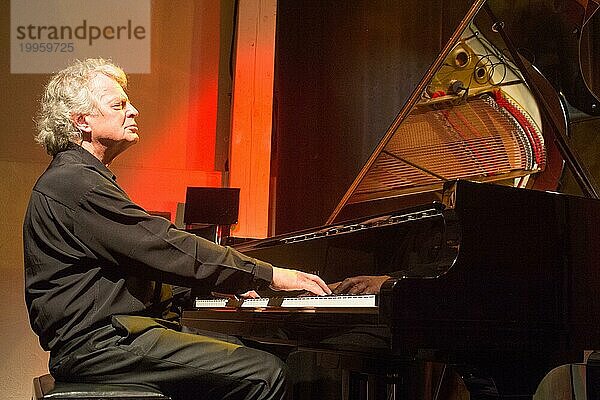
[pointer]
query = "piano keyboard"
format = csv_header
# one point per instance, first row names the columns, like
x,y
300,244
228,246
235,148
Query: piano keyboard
x,y
342,301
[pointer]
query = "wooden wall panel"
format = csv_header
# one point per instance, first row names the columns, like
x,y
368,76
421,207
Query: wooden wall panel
x,y
252,114
343,72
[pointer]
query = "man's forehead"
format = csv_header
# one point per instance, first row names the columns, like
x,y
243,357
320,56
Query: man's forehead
x,y
102,86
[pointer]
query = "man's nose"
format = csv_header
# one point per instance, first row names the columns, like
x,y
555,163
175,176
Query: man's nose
x,y
132,112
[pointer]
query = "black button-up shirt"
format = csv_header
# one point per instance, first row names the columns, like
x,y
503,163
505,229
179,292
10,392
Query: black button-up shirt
x,y
90,252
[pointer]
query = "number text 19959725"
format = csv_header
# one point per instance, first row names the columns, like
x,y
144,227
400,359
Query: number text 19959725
x,y
47,47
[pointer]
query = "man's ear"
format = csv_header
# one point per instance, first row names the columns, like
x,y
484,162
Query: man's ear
x,y
81,123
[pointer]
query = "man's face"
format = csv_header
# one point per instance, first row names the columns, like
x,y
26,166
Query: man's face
x,y
113,125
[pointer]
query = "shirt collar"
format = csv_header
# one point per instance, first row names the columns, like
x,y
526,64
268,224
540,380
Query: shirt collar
x,y
90,159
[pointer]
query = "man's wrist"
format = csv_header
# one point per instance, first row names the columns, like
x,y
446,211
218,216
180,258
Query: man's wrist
x,y
263,274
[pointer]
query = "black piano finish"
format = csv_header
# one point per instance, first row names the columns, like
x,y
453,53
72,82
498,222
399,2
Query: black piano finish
x,y
504,280
509,277
521,296
375,246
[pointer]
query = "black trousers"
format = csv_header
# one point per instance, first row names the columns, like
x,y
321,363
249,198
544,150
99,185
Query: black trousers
x,y
148,352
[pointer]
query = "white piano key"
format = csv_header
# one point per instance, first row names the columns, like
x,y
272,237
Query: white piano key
x,y
210,303
343,301
330,301
255,303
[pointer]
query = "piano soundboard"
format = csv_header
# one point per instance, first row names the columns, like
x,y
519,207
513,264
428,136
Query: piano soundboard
x,y
332,301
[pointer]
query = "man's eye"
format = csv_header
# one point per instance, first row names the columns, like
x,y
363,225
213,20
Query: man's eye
x,y
121,105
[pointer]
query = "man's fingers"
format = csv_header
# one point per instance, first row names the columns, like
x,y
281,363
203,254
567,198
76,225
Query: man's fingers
x,y
358,288
288,279
316,285
316,289
250,295
344,286
361,285
323,285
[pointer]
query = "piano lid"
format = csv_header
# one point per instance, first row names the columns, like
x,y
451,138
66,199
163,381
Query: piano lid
x,y
473,116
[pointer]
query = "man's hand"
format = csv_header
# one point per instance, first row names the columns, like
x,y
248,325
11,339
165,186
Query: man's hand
x,y
289,279
251,294
359,285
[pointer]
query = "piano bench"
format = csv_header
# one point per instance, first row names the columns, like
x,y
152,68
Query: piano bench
x,y
45,388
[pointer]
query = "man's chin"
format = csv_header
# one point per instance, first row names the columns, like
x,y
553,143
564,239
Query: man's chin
x,y
132,139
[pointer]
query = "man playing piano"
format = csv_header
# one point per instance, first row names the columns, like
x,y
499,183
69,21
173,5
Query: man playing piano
x,y
95,260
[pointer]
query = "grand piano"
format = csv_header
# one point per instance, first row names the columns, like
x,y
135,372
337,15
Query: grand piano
x,y
493,275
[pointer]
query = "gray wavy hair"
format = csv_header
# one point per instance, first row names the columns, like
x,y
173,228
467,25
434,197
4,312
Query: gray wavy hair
x,y
69,93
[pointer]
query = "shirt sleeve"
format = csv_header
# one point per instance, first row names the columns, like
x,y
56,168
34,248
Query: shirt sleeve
x,y
124,235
